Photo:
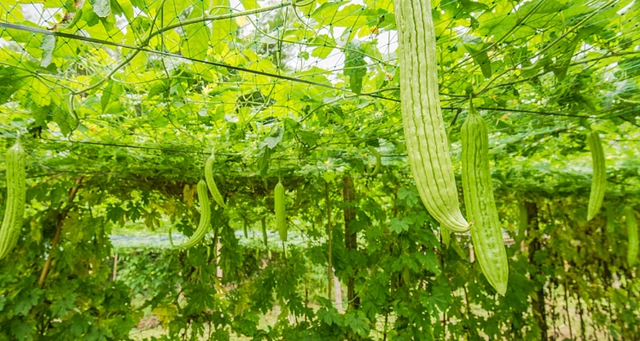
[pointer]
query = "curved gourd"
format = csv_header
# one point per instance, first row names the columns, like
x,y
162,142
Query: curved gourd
x,y
486,233
208,175
424,129
205,216
599,180
279,208
375,153
16,198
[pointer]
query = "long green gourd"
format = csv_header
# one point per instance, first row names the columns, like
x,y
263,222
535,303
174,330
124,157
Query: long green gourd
x,y
279,208
424,129
16,198
205,216
599,180
632,234
477,186
208,175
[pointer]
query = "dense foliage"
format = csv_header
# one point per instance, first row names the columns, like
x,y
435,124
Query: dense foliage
x,y
120,102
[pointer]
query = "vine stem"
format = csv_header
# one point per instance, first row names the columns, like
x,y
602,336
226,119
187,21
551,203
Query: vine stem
x,y
56,238
466,298
581,314
115,268
329,243
566,306
386,324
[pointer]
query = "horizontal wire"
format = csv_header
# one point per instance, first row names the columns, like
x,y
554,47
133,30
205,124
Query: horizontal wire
x,y
179,56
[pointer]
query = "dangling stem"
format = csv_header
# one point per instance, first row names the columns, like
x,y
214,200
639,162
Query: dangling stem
x,y
329,242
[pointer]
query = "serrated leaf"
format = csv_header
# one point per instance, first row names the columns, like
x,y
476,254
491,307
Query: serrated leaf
x,y
25,300
440,297
399,225
66,303
330,316
409,196
357,322
430,261
21,330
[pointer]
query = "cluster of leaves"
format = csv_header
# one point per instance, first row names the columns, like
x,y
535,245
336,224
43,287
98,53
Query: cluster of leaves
x,y
78,299
406,283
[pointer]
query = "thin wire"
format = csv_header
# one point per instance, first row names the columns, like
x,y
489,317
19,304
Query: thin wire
x,y
179,56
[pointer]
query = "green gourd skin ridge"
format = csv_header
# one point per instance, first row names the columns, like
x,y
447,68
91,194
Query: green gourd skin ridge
x,y
205,216
16,199
208,175
599,179
424,129
280,211
486,231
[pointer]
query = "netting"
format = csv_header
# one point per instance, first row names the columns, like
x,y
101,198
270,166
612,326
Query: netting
x,y
241,74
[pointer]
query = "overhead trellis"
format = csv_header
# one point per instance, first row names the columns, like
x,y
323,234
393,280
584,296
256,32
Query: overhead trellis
x,y
121,102
265,79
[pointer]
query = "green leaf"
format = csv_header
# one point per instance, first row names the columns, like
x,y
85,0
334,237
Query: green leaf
x,y
64,305
25,300
357,322
11,79
102,8
110,94
355,68
63,119
195,41
275,138
399,225
325,14
330,316
263,160
409,196
326,45
47,46
250,4
47,4
22,330
309,137
480,58
79,324
440,297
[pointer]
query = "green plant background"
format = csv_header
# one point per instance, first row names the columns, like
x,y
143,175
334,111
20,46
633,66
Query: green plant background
x,y
123,101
